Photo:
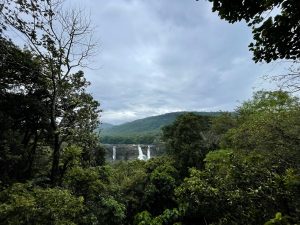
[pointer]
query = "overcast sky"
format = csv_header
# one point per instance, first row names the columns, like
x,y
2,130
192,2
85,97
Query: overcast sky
x,y
159,56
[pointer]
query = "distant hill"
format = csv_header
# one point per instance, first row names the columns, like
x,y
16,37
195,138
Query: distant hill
x,y
142,130
105,126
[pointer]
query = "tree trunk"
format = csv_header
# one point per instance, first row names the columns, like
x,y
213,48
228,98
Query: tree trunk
x,y
31,156
55,160
56,142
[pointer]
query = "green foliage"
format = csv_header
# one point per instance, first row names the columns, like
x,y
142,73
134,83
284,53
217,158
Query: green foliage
x,y
48,140
219,127
112,212
269,122
278,220
143,131
129,174
141,138
24,204
146,186
59,42
70,157
218,161
169,216
143,218
131,180
200,197
23,111
84,182
27,132
162,179
100,200
242,188
269,102
275,37
222,123
185,140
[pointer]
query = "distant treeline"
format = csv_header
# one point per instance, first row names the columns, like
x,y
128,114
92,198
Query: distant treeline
x,y
144,131
222,170
131,139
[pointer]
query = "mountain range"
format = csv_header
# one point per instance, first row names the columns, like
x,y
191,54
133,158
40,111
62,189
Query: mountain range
x,y
140,131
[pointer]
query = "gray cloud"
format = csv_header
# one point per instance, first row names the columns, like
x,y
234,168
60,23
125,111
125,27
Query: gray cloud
x,y
163,56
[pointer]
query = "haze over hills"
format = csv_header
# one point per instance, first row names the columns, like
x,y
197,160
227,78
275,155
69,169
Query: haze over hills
x,y
105,126
142,130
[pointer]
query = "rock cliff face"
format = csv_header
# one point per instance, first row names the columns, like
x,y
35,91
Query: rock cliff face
x,y
131,151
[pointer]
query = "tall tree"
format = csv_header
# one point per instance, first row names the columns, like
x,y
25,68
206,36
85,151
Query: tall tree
x,y
63,41
269,122
24,107
186,141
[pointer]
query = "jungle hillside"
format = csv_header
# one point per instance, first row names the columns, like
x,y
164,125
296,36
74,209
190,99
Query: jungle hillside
x,y
230,167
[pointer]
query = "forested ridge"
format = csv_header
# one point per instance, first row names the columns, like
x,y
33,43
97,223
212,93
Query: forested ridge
x,y
232,168
143,131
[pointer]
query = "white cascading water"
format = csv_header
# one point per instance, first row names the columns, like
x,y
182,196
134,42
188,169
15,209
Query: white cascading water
x,y
114,153
141,155
148,152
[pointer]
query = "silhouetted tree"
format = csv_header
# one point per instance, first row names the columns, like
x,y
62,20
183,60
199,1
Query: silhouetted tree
x,y
63,41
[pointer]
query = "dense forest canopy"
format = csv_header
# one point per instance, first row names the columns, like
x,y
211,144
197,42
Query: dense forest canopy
x,y
233,168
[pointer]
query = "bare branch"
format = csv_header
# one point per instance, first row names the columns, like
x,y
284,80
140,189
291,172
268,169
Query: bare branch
x,y
289,81
62,38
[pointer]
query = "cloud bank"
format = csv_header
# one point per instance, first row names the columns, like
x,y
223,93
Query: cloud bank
x,y
163,56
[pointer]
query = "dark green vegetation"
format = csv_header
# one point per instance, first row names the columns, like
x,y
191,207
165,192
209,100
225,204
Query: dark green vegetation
x,y
28,138
144,131
241,168
276,32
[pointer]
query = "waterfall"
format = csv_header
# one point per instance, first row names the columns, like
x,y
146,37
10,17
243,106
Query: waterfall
x,y
141,155
148,152
114,153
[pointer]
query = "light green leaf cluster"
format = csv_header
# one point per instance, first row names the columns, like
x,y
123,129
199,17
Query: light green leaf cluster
x,y
24,204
